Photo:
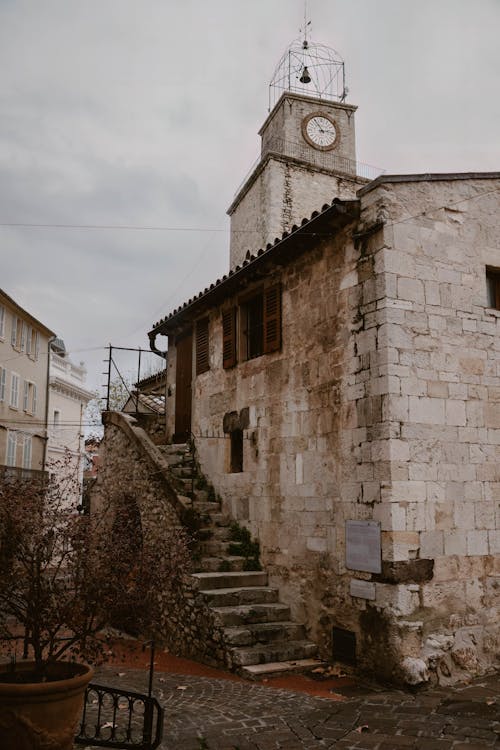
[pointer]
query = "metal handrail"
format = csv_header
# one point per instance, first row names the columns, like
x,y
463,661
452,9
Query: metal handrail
x,y
112,718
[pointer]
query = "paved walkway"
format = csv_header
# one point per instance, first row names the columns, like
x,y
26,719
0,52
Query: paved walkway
x,y
215,714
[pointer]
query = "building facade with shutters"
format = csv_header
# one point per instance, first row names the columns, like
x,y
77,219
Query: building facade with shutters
x,y
24,349
344,383
68,399
342,387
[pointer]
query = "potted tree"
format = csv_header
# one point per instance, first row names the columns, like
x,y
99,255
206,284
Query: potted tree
x,y
64,577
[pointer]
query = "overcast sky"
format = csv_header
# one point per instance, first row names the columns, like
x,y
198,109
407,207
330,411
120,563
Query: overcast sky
x,y
146,112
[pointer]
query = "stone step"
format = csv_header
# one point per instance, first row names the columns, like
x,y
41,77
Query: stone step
x,y
202,496
220,519
175,449
182,472
205,506
232,597
246,614
225,580
184,485
215,548
273,652
279,668
220,533
221,564
264,632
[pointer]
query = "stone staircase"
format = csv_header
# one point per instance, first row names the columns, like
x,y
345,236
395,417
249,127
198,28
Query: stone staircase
x,y
259,637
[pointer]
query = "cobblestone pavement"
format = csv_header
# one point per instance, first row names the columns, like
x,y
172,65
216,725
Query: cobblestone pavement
x,y
215,714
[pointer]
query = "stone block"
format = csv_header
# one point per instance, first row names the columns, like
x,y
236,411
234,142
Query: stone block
x,y
431,544
400,545
494,541
463,515
427,410
317,544
426,472
411,289
492,415
455,412
437,389
392,517
406,492
477,542
485,514
455,543
399,600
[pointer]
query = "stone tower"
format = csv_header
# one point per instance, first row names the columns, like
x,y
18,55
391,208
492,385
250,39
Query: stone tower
x,y
308,152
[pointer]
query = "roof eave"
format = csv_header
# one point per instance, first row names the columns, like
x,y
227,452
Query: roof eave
x,y
333,216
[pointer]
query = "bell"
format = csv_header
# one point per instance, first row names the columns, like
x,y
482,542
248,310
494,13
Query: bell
x,y
305,77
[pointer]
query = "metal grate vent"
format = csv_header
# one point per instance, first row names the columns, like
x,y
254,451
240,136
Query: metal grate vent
x,y
344,645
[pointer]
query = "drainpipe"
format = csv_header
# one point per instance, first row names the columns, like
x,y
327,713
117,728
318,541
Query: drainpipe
x,y
47,391
152,345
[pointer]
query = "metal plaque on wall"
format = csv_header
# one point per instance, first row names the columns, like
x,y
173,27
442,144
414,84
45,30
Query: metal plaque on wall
x,y
363,548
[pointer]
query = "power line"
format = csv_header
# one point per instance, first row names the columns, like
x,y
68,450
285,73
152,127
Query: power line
x,y
160,228
125,227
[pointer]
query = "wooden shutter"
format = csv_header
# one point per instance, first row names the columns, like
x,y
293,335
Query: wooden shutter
x,y
229,338
272,319
202,358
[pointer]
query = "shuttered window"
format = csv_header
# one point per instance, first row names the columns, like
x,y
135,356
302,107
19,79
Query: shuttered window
x,y
272,319
202,352
229,338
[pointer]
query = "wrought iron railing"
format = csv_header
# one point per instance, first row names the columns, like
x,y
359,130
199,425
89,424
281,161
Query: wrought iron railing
x,y
120,719
329,161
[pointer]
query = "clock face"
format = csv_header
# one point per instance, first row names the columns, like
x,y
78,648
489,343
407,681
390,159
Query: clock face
x,y
320,131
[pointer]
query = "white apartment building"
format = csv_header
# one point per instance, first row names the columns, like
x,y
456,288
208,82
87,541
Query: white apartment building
x,y
68,398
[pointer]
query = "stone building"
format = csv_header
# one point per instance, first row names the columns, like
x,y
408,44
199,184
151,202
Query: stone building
x,y
24,349
342,384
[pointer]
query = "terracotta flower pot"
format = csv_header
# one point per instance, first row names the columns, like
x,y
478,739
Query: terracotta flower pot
x,y
42,715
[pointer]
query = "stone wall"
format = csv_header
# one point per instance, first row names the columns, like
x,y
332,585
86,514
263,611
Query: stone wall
x,y
296,488
436,386
131,466
280,194
382,405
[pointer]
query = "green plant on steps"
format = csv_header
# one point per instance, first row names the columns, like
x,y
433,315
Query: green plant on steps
x,y
225,566
243,546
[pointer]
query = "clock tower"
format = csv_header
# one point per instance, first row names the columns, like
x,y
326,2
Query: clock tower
x,y
308,152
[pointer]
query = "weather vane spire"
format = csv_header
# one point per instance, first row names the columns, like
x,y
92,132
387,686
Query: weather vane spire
x,y
305,43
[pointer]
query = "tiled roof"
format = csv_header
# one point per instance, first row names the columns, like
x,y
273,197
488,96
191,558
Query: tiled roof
x,y
156,377
348,209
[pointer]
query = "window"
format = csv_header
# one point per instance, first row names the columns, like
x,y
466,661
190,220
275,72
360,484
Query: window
x,y
29,397
29,335
259,326
57,417
202,350
13,334
26,395
24,330
2,321
36,347
14,391
493,288
229,338
11,448
27,450
3,378
260,323
236,451
253,327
